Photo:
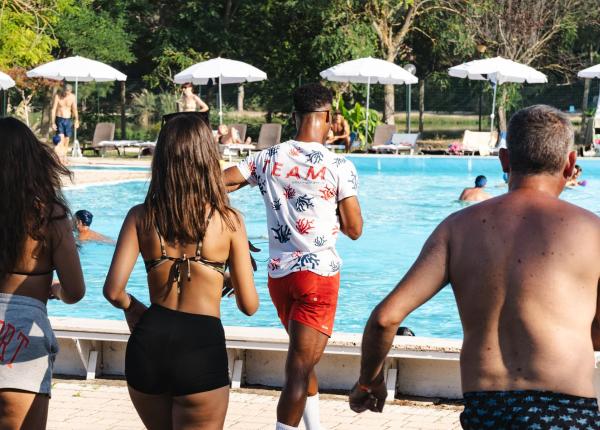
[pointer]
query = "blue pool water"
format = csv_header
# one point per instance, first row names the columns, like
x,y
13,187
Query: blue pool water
x,y
402,199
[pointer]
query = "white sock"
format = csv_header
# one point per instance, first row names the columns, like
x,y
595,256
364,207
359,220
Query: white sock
x,y
280,426
311,417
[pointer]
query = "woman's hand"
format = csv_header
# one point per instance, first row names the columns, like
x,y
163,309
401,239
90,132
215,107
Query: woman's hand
x,y
134,312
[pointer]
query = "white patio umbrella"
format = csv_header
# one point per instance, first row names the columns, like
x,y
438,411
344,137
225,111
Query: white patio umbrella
x,y
228,72
77,69
498,70
590,73
369,71
6,81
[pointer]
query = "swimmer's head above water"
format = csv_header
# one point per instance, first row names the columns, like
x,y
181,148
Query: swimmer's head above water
x,y
85,217
480,181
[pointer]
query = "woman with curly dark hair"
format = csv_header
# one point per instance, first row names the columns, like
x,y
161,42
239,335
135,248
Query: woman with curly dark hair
x,y
36,239
187,232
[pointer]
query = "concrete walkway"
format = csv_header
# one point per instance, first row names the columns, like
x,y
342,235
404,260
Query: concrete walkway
x,y
105,404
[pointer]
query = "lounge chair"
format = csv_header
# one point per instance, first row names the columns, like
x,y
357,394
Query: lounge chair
x,y
399,142
479,141
241,129
104,132
269,135
383,134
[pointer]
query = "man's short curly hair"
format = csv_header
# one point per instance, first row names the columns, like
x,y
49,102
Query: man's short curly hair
x,y
312,97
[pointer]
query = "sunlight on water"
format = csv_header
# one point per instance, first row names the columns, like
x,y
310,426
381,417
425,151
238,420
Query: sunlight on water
x,y
402,200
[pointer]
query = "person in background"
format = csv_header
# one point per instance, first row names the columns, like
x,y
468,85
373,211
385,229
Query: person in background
x,y
574,180
310,195
83,221
190,102
228,135
340,131
476,193
64,117
520,279
187,233
36,240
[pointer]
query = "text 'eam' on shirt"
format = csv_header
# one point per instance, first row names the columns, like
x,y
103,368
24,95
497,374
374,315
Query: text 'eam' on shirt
x,y
301,184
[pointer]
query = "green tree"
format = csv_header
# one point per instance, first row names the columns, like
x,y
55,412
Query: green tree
x,y
91,32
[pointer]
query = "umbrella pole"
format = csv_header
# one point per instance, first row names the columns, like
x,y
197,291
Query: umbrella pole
x,y
492,115
220,102
75,150
367,123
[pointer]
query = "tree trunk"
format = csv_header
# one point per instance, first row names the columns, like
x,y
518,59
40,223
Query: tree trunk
x,y
502,111
240,98
47,112
421,103
584,108
123,118
389,108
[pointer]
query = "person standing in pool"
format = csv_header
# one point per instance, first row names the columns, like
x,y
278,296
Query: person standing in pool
x,y
190,102
476,193
310,195
83,221
187,233
36,239
64,117
526,293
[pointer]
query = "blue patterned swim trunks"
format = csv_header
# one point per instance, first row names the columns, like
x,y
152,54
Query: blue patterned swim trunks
x,y
528,409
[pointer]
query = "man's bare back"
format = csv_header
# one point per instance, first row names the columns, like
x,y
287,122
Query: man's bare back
x,y
525,292
525,272
474,194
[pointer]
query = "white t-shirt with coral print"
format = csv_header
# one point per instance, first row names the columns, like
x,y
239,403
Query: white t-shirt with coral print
x,y
301,184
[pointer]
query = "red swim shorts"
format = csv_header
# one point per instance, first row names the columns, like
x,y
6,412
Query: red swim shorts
x,y
306,297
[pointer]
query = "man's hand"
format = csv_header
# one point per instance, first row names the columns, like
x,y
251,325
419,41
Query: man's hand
x,y
134,312
54,127
371,397
76,123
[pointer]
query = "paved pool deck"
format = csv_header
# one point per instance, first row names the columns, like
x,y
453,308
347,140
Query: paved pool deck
x,y
104,404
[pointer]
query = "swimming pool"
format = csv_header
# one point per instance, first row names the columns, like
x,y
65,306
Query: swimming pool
x,y
402,200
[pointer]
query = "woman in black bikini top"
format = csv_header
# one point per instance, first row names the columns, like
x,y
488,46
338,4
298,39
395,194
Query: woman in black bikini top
x,y
176,361
36,240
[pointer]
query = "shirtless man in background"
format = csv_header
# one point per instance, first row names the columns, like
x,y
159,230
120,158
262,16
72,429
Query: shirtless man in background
x,y
64,111
527,294
340,131
476,193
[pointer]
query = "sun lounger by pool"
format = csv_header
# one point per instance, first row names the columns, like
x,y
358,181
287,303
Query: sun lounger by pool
x,y
383,134
104,132
270,135
479,141
241,129
399,142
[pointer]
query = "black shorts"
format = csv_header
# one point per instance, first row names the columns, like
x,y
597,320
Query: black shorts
x,y
176,353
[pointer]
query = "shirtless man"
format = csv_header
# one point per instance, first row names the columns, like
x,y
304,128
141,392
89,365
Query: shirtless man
x,y
526,293
64,110
340,132
476,193
190,102
83,221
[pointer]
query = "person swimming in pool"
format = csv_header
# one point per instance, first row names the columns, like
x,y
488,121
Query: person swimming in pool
x,y
476,193
526,293
574,181
83,220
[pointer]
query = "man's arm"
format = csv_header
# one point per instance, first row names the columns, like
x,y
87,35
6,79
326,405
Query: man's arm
x,y
427,276
351,222
53,112
74,112
596,323
233,178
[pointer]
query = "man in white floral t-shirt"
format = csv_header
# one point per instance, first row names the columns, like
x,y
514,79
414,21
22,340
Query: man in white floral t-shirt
x,y
310,195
